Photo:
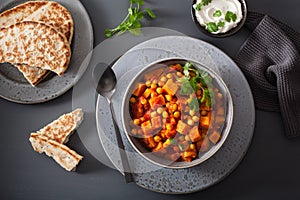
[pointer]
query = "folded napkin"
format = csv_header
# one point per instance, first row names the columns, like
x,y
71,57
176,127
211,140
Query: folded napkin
x,y
270,61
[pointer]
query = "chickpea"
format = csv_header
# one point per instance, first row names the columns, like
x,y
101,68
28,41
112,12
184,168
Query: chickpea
x,y
192,112
155,81
159,90
148,83
157,138
192,146
174,107
143,101
165,114
168,105
176,114
181,138
168,97
153,86
195,119
160,83
153,114
132,100
219,95
163,79
169,75
160,110
133,131
203,112
190,122
179,74
136,121
187,138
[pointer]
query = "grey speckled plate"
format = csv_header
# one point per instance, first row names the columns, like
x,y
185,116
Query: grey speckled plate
x,y
215,169
14,87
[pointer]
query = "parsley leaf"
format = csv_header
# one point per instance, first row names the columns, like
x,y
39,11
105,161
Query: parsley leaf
x,y
194,104
212,27
199,80
198,6
230,16
131,22
221,24
217,13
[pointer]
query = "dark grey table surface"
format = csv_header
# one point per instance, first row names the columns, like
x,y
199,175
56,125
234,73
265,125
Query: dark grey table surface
x,y
270,169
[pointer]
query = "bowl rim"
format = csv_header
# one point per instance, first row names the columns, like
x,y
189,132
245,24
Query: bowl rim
x,y
228,33
212,150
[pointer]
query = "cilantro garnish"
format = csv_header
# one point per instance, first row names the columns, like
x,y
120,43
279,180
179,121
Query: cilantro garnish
x,y
198,6
217,13
131,22
190,85
212,27
230,16
221,24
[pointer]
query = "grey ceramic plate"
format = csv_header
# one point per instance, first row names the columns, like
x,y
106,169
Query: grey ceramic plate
x,y
215,169
14,87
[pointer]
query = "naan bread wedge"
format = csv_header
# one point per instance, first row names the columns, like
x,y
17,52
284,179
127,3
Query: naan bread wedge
x,y
48,12
33,75
35,44
62,128
62,154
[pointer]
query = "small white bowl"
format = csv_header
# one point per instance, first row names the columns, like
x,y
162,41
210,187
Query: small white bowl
x,y
226,34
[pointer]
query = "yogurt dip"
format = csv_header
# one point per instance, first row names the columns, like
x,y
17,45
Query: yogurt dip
x,y
218,16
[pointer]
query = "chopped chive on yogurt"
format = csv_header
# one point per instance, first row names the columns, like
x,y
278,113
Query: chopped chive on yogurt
x,y
218,16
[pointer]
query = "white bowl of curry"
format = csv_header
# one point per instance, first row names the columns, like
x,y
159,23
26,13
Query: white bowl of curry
x,y
177,113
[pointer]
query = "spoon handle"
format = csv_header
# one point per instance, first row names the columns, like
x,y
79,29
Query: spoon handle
x,y
124,159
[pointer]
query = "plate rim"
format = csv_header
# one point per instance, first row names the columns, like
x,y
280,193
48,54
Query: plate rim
x,y
251,128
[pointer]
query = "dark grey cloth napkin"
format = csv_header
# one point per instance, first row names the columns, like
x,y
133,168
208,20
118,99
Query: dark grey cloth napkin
x,y
270,61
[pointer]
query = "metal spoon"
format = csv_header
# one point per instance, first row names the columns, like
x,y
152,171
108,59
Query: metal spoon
x,y
106,88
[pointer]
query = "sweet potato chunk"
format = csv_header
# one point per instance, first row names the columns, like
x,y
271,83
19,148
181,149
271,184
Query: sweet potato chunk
x,y
182,127
195,134
189,155
156,122
149,141
147,93
214,137
156,101
147,127
170,87
158,147
139,90
205,121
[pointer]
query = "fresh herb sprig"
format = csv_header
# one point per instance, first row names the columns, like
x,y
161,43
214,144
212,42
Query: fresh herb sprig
x,y
132,22
199,6
190,85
